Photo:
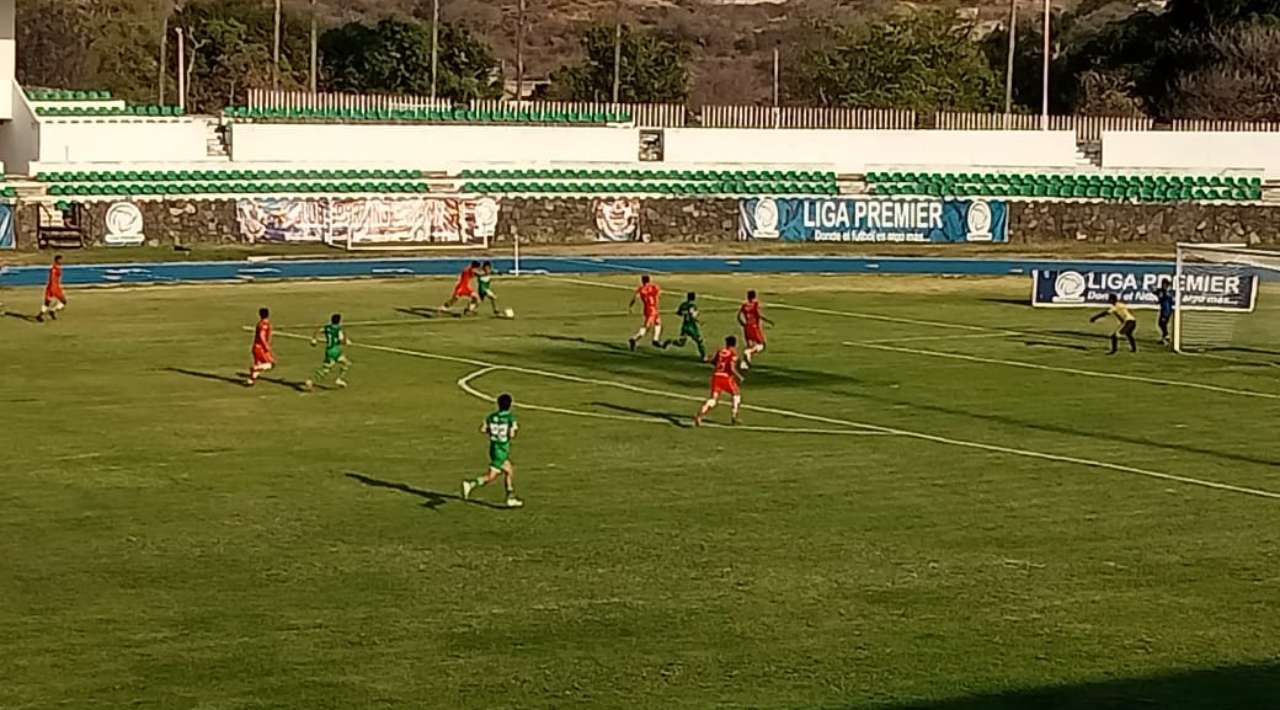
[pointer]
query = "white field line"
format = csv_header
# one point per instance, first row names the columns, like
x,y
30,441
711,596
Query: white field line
x,y
805,309
605,265
485,317
998,334
465,384
980,331
993,448
1065,370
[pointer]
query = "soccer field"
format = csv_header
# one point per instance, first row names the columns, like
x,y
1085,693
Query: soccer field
x,y
939,498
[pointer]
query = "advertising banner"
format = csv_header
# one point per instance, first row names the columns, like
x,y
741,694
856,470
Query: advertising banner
x,y
1200,291
414,220
123,225
873,219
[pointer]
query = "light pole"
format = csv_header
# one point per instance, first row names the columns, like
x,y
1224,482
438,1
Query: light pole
x,y
617,50
520,52
315,54
1008,71
182,69
1044,98
435,45
275,50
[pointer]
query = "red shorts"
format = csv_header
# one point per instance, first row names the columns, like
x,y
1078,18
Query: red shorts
x,y
463,291
753,333
263,356
652,318
51,294
722,383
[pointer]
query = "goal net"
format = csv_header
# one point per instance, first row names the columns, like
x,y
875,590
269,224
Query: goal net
x,y
1216,294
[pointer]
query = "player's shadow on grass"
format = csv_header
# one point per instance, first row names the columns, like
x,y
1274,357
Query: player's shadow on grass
x,y
20,316
679,369
668,417
420,312
433,499
603,344
1240,687
235,380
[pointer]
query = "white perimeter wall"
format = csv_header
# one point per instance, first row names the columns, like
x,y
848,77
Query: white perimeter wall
x,y
851,151
20,136
430,146
1208,151
106,141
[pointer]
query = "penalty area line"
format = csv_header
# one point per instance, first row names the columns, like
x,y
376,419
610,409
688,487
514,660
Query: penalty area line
x,y
878,345
809,309
465,383
961,443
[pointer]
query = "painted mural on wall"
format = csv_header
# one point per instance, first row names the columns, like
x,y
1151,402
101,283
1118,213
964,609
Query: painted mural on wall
x,y
873,219
413,220
617,219
7,238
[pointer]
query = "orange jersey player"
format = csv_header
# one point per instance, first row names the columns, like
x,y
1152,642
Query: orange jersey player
x,y
54,298
751,319
648,295
725,379
263,358
463,289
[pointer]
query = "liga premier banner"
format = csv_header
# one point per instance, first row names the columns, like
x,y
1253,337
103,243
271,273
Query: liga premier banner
x,y
1200,291
873,219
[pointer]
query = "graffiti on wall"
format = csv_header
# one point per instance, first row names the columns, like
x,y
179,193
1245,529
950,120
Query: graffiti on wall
x,y
413,220
617,219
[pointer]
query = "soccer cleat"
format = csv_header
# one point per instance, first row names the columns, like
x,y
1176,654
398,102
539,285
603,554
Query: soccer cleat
x,y
746,364
40,318
308,386
249,382
697,421
513,502
340,382
631,342
467,487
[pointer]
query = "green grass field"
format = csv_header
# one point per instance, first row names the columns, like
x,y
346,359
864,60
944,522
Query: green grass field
x,y
969,506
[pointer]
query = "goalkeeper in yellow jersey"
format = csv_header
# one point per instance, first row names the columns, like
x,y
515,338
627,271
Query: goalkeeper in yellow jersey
x,y
1128,323
335,339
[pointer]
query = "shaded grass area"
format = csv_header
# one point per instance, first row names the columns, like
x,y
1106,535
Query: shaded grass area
x,y
173,539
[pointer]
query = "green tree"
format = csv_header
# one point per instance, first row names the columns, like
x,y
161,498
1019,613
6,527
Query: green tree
x,y
229,50
924,62
394,56
654,68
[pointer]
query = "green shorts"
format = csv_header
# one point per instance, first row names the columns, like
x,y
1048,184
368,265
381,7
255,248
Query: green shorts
x,y
690,331
332,355
487,293
499,456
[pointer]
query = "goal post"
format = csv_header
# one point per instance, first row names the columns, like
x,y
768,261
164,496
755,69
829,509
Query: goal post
x,y
1216,291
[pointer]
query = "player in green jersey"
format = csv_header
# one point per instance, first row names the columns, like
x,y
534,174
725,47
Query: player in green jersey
x,y
500,427
690,327
334,340
485,284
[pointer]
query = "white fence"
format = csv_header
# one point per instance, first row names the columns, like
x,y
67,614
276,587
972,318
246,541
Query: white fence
x,y
268,99
1088,129
714,116
1184,124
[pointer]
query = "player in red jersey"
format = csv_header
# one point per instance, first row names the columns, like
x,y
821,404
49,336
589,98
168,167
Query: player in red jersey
x,y
463,290
263,358
54,298
724,380
648,295
750,317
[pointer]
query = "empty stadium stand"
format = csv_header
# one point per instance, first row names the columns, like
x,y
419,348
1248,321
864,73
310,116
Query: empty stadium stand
x,y
1105,186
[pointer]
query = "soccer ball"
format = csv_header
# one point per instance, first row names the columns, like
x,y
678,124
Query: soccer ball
x,y
509,313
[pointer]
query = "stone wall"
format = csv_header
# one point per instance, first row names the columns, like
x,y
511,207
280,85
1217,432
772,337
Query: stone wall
x,y
1100,223
579,220
575,220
